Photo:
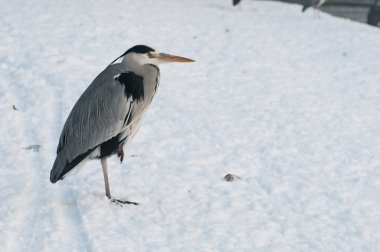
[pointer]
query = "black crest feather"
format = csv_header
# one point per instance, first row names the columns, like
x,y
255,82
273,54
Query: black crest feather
x,y
135,49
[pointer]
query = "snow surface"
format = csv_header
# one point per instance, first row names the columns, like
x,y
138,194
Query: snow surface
x,y
286,102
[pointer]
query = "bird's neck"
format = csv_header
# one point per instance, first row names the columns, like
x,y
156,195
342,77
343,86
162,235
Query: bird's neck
x,y
137,68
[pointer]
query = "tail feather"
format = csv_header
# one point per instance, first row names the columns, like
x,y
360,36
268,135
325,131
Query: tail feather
x,y
305,7
57,172
307,4
62,166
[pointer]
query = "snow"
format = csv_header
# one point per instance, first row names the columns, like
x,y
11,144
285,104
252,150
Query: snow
x,y
286,102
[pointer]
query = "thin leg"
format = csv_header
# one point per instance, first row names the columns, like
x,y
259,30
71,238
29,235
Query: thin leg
x,y
120,154
103,161
317,13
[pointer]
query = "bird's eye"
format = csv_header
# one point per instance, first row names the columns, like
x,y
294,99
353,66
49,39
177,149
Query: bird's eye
x,y
150,55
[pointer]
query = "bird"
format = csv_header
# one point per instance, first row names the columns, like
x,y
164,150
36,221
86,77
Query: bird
x,y
108,114
235,2
316,4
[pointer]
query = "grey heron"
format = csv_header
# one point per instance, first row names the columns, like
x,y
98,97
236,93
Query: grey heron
x,y
316,4
109,112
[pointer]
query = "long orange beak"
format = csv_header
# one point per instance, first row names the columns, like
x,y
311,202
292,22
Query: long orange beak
x,y
172,58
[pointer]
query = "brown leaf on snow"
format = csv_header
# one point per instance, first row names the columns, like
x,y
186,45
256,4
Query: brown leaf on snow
x,y
230,177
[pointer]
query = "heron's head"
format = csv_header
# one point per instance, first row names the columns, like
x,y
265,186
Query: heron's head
x,y
142,55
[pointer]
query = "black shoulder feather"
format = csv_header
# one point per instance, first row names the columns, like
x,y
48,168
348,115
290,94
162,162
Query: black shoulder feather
x,y
133,85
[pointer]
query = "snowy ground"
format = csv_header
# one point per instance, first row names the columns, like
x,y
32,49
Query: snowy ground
x,y
288,103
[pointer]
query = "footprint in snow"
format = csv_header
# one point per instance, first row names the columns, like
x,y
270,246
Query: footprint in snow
x,y
34,147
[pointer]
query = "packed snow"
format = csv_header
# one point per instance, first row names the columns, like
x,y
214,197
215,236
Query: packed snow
x,y
285,103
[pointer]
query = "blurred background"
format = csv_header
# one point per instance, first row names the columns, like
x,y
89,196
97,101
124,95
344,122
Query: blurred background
x,y
365,11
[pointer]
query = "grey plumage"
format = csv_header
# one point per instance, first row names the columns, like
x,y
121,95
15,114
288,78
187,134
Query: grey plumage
x,y
312,3
100,114
109,112
235,2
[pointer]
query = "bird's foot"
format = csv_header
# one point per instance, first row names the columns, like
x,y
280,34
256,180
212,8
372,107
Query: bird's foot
x,y
120,154
123,202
